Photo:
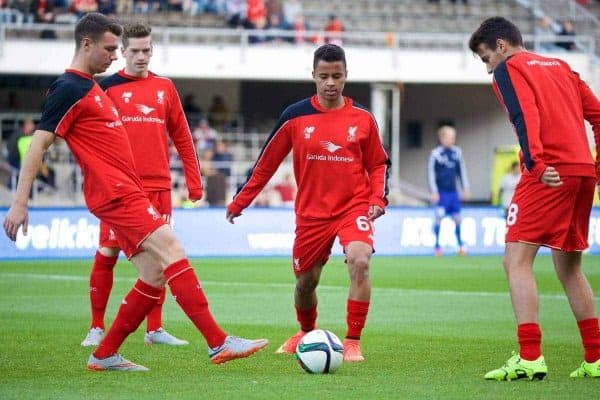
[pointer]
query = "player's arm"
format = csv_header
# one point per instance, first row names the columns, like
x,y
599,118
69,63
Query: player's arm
x,y
276,148
435,197
17,214
180,133
462,173
591,112
377,164
519,100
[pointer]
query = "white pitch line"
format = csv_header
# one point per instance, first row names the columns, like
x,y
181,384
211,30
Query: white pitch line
x,y
413,292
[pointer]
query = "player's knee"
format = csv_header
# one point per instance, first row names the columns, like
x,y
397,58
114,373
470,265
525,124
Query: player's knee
x,y
359,269
173,248
306,284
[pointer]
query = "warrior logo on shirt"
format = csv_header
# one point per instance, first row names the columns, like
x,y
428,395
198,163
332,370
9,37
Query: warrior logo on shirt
x,y
114,110
126,96
144,109
160,96
98,101
308,131
352,133
296,263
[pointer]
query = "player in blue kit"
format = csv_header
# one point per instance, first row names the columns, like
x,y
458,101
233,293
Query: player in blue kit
x,y
445,169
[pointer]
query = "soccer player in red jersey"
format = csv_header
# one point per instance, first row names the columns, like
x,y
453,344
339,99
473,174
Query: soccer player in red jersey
x,y
80,112
150,110
547,104
341,169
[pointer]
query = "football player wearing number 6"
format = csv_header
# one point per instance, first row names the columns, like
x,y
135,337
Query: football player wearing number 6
x,y
547,103
341,169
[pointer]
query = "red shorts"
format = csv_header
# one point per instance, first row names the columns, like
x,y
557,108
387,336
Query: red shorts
x,y
554,217
314,238
126,222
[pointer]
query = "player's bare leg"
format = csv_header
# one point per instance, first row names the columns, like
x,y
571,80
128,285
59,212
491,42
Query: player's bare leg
x,y
529,363
305,302
581,299
518,265
358,256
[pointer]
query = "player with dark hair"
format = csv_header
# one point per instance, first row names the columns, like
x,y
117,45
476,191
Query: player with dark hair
x,y
80,112
341,169
547,104
446,167
150,110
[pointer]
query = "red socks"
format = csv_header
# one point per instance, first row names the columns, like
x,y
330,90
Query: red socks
x,y
530,341
154,321
356,317
184,285
134,308
590,337
101,282
307,317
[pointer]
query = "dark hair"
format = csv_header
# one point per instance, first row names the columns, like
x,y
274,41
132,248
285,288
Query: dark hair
x,y
514,164
93,26
135,30
330,53
493,29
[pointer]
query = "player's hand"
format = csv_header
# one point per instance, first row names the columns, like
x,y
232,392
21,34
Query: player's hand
x,y
375,212
466,195
551,178
435,197
15,218
194,196
231,216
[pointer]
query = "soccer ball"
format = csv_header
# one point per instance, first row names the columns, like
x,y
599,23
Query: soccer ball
x,y
320,352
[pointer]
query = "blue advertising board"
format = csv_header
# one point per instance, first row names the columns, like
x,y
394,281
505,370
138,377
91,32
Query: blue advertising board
x,y
204,232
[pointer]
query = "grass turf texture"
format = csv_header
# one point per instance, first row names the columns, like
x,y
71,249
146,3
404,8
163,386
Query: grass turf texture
x,y
436,325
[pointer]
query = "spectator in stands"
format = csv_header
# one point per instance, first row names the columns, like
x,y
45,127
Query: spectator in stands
x,y
43,11
192,110
300,27
216,182
567,29
235,12
45,174
256,11
13,157
334,30
222,158
142,6
276,24
291,10
124,7
547,27
287,190
507,187
23,8
108,8
218,113
204,137
274,7
208,6
82,7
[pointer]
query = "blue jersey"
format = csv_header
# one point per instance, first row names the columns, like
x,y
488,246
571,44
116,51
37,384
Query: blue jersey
x,y
446,166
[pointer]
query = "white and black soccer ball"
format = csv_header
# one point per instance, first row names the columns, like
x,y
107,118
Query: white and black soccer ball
x,y
320,352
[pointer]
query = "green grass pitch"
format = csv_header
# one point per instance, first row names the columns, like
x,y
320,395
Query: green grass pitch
x,y
436,325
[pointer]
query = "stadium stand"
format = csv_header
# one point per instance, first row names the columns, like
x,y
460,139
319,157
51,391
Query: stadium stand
x,y
403,24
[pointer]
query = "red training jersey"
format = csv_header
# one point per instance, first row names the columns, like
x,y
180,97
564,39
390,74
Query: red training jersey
x,y
79,111
149,108
339,160
547,104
